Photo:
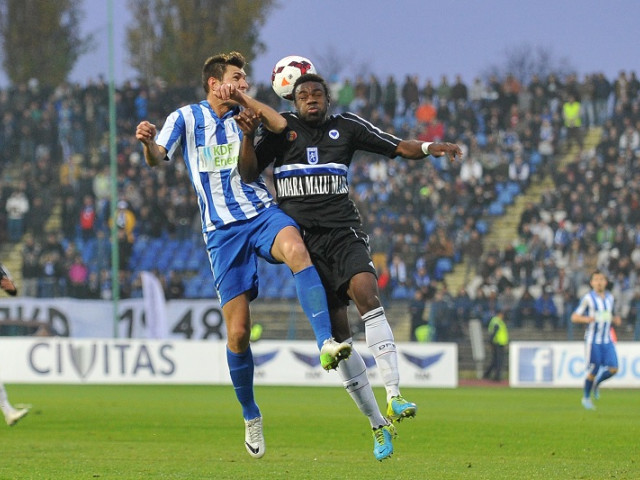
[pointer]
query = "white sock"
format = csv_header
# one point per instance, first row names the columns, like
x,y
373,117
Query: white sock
x,y
381,344
5,406
356,382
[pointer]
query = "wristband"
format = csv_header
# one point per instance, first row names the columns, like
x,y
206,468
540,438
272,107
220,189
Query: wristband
x,y
425,147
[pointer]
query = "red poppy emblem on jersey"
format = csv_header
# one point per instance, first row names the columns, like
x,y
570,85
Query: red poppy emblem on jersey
x,y
291,136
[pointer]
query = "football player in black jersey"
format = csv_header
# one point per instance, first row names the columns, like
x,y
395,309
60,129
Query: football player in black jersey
x,y
311,159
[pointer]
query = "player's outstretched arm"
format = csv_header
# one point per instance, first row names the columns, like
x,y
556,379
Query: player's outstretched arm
x,y
415,149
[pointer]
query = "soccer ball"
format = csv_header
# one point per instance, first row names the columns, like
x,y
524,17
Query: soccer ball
x,y
287,71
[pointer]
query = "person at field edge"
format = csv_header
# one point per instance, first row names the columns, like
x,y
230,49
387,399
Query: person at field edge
x,y
311,158
11,415
499,339
240,221
596,311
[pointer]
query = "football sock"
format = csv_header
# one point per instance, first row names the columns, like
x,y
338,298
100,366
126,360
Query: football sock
x,y
381,344
606,374
353,372
587,388
313,301
241,371
5,406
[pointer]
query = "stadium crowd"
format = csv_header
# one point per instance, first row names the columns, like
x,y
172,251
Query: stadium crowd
x,y
424,216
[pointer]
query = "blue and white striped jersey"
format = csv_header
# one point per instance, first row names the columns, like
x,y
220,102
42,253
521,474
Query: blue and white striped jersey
x,y
593,305
210,147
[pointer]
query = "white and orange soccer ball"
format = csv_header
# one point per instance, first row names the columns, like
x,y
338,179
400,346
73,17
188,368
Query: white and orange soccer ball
x,y
287,71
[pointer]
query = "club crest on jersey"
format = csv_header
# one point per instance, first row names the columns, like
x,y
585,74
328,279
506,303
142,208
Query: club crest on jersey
x,y
334,134
291,136
312,155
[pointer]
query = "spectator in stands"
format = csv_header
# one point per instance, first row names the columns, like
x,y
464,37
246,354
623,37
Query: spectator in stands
x,y
439,245
546,310
462,307
629,143
51,274
422,281
410,94
87,218
473,251
346,94
602,91
38,214
101,189
30,265
440,316
426,116
125,220
572,117
175,286
390,97
77,277
479,304
384,283
70,215
17,207
508,302
519,171
471,171
398,272
416,313
525,311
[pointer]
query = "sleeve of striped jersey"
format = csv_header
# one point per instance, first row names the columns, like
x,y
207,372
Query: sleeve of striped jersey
x,y
172,133
583,306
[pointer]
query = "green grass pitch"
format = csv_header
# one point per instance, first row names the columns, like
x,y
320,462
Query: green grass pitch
x,y
196,432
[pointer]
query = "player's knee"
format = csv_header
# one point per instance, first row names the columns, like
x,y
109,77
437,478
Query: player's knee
x,y
613,370
296,255
238,338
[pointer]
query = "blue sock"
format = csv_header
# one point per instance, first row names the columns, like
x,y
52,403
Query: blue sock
x,y
587,388
313,300
241,371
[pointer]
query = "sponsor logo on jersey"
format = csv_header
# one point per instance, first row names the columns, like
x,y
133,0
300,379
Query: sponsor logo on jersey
x,y
291,136
217,157
334,134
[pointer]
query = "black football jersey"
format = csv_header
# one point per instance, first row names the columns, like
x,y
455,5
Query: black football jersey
x,y
311,164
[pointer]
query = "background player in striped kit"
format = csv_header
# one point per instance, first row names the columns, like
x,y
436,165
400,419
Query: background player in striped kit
x,y
240,221
596,310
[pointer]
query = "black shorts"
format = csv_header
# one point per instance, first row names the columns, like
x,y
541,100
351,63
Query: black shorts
x,y
338,254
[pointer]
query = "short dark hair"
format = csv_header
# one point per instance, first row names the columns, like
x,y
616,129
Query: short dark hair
x,y
215,66
312,77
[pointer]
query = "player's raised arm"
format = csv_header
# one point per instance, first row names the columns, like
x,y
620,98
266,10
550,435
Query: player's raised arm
x,y
153,153
270,118
248,121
